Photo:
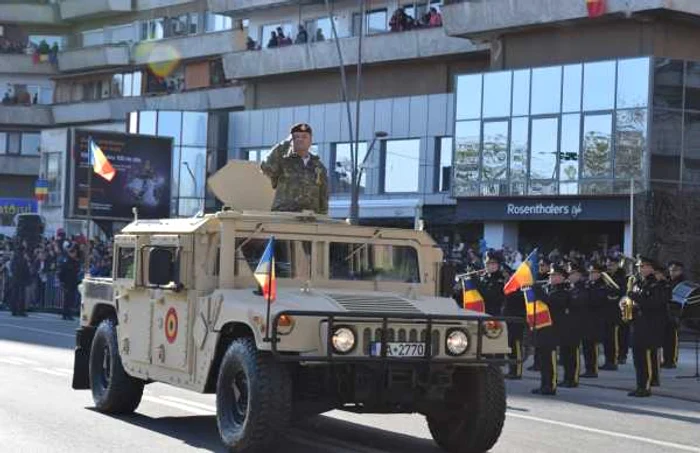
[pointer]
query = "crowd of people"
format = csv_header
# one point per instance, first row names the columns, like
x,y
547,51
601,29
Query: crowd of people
x,y
47,274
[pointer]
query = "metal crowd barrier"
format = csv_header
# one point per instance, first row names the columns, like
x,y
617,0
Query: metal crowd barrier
x,y
39,296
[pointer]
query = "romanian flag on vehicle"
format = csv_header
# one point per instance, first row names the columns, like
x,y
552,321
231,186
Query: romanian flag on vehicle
x,y
523,276
595,8
265,272
538,315
99,162
471,297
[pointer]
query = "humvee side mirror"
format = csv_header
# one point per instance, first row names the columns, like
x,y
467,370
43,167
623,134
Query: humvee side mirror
x,y
161,266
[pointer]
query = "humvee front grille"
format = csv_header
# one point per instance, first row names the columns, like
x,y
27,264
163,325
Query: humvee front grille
x,y
399,335
385,304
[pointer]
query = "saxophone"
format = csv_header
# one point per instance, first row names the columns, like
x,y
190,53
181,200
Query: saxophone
x,y
627,304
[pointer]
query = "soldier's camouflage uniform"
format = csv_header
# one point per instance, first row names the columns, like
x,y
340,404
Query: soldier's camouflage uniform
x,y
297,186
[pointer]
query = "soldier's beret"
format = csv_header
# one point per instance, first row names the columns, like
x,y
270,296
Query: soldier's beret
x,y
301,127
641,260
558,269
596,267
675,263
492,256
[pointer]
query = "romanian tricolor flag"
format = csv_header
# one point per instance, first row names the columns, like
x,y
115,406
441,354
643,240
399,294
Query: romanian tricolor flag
x,y
471,297
538,315
99,162
595,8
265,272
41,190
523,276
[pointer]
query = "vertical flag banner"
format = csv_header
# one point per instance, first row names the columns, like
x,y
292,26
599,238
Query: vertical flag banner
x,y
538,315
41,189
100,163
523,276
471,297
265,272
596,8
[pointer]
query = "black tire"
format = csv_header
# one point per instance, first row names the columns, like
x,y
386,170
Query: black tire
x,y
253,398
113,391
475,422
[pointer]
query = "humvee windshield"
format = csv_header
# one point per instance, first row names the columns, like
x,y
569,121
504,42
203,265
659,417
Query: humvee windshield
x,y
354,261
292,257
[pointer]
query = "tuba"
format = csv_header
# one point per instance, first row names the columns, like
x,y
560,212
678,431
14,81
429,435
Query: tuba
x,y
626,303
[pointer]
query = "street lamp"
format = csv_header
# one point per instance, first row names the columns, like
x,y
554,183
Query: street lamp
x,y
357,178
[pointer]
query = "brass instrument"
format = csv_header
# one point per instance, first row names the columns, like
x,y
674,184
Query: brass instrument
x,y
469,274
609,281
627,304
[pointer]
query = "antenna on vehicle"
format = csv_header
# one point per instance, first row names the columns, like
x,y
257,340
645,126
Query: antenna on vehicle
x,y
135,211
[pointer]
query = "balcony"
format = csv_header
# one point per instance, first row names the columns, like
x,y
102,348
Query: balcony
x,y
479,18
28,13
238,6
83,9
118,109
381,48
93,57
24,64
186,47
26,115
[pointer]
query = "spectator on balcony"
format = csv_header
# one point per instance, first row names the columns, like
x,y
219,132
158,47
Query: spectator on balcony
x,y
302,36
251,44
434,18
400,21
319,35
281,39
273,41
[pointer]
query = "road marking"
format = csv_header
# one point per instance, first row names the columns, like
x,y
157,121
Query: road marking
x,y
32,329
182,407
24,361
49,371
206,407
659,443
10,361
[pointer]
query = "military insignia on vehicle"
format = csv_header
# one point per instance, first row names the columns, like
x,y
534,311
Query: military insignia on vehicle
x,y
171,325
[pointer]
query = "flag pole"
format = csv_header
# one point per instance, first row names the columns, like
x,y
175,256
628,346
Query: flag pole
x,y
269,290
89,202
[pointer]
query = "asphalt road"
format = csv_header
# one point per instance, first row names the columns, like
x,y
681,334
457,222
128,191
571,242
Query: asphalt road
x,y
39,412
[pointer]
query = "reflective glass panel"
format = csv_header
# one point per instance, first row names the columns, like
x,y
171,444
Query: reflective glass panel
x,y
3,143
630,143
468,97
666,135
128,82
175,186
341,178
597,146
466,161
692,85
546,90
599,86
190,206
134,122
192,172
497,94
570,147
169,125
691,154
632,83
604,187
542,188
544,140
194,128
445,167
573,75
668,83
518,154
494,164
401,165
521,92
137,84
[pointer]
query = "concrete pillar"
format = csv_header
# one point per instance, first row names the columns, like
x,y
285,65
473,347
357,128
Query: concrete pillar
x,y
627,246
501,234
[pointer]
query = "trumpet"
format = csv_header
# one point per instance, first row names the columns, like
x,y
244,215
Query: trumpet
x,y
609,281
469,274
626,303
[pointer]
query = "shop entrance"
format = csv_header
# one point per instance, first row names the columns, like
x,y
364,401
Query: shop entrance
x,y
565,236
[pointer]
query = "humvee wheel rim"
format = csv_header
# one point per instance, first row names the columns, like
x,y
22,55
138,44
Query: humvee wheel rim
x,y
106,367
240,396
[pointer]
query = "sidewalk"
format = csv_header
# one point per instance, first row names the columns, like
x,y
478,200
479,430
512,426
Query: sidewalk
x,y
624,378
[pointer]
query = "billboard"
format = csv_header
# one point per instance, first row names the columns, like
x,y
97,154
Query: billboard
x,y
143,166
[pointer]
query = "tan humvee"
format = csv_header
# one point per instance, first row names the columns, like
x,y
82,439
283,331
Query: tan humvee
x,y
356,323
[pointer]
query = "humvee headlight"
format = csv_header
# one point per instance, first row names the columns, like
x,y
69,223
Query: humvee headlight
x,y
343,340
457,342
493,329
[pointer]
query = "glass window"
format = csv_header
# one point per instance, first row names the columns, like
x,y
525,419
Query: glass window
x,y
692,85
401,165
630,143
326,29
125,262
341,179
666,135
521,92
53,177
218,22
153,29
604,187
599,86
147,123
178,25
494,165
188,207
691,154
134,122
169,125
45,96
569,154
444,157
546,90
468,97
292,258
466,162
357,261
194,128
497,94
194,23
13,142
3,143
597,146
30,144
573,76
668,83
544,141
192,172
122,33
518,155
50,40
632,83
136,84
117,85
128,85
268,29
376,22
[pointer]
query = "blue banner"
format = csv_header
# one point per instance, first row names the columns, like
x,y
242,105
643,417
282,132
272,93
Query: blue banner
x,y
12,206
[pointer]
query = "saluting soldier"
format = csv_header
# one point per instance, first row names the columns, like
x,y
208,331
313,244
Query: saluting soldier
x,y
595,318
676,275
299,178
649,312
491,284
571,326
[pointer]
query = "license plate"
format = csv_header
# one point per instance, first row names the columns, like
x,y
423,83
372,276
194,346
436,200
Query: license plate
x,y
401,349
